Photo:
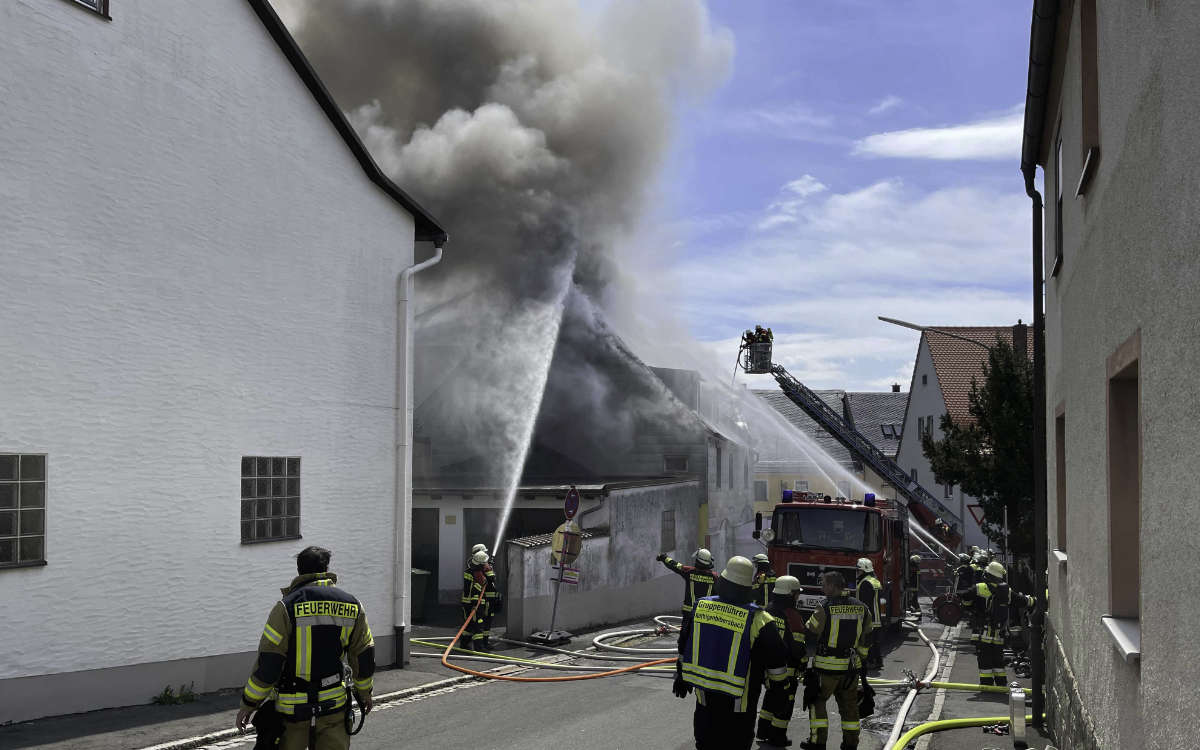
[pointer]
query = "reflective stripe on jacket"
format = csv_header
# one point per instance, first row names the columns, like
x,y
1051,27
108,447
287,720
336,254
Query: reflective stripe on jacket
x,y
868,593
697,582
717,655
764,584
840,625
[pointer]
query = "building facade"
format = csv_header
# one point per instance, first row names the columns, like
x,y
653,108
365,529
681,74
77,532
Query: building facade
x,y
1113,118
198,316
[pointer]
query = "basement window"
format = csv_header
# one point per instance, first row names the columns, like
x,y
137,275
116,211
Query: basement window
x,y
100,7
22,510
270,498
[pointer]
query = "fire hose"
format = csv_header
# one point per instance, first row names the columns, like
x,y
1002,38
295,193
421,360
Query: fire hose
x,y
510,678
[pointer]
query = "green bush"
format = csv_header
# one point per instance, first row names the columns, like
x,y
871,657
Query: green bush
x,y
168,697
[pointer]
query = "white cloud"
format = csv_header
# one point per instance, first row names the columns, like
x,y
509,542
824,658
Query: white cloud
x,y
786,208
888,102
996,138
793,121
955,256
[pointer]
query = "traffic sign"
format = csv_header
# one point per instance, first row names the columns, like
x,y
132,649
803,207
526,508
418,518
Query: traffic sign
x,y
566,544
976,513
571,503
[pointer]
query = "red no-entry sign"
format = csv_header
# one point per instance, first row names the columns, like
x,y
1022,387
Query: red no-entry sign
x,y
571,503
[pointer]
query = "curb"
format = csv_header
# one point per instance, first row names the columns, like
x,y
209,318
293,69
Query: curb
x,y
190,743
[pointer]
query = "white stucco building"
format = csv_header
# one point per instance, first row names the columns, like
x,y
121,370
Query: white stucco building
x,y
1113,119
941,384
198,320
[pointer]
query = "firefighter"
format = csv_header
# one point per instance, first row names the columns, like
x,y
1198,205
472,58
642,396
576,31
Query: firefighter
x,y
478,579
995,599
764,580
727,646
778,705
308,633
867,589
698,579
976,609
480,548
842,630
914,583
963,573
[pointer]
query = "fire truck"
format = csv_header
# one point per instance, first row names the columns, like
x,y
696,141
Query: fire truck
x,y
806,536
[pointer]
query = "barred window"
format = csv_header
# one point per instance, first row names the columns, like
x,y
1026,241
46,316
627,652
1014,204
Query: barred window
x,y
97,6
270,498
22,509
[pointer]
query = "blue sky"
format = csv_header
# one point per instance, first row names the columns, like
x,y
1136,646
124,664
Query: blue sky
x,y
861,160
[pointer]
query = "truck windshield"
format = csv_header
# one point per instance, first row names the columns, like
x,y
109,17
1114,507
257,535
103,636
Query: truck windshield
x,y
828,528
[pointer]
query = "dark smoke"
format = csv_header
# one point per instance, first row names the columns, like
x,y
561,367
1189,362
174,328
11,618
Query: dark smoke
x,y
535,131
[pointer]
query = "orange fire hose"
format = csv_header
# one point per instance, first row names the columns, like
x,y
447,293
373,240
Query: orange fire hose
x,y
572,678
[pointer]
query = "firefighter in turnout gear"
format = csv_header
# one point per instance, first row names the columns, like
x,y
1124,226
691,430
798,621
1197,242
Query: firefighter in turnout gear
x,y
697,580
996,600
778,705
299,667
728,645
764,580
914,583
841,627
976,608
868,588
479,578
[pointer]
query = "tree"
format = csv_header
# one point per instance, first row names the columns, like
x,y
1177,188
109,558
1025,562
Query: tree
x,y
991,456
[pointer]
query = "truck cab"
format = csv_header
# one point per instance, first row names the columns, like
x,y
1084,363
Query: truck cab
x,y
807,537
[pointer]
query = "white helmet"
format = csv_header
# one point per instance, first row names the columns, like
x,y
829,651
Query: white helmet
x,y
786,585
739,571
865,565
761,559
995,570
963,557
479,548
704,558
479,558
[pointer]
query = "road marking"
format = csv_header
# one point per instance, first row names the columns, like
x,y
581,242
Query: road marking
x,y
939,699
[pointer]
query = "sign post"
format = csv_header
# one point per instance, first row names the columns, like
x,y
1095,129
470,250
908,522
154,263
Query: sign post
x,y
565,547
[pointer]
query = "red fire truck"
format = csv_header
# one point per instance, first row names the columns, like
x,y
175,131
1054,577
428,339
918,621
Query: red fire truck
x,y
807,537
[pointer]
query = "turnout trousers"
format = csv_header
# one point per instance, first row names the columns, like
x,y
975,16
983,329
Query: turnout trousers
x,y
477,626
776,712
991,658
843,687
717,726
331,734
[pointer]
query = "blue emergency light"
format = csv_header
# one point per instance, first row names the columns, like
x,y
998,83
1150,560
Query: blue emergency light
x,y
869,499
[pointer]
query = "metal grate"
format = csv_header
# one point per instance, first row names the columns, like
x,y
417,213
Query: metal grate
x,y
270,498
22,509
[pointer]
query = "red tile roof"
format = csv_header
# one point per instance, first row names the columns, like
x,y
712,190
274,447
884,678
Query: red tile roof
x,y
957,362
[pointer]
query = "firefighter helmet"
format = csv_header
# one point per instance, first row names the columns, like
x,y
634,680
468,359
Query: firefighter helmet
x,y
761,559
479,558
479,548
915,559
786,585
704,558
865,565
739,571
995,570
964,558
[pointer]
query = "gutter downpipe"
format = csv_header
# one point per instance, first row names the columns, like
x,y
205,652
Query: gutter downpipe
x,y
1041,58
402,541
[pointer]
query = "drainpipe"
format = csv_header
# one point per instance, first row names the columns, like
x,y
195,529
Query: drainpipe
x,y
402,546
1042,32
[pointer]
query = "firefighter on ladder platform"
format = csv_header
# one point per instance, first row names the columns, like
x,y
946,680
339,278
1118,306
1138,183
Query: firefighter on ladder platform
x,y
778,705
479,578
698,579
993,597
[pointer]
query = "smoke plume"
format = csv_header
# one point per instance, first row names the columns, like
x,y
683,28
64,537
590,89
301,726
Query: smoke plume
x,y
535,131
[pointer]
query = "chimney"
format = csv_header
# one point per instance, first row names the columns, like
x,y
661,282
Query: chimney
x,y
1020,333
895,387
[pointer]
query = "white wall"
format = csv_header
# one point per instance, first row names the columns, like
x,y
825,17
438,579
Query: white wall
x,y
925,400
195,269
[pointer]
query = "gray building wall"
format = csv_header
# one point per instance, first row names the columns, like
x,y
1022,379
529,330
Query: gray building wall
x,y
619,578
1130,264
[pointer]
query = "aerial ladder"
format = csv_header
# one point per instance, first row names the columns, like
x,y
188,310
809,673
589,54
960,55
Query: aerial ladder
x,y
754,357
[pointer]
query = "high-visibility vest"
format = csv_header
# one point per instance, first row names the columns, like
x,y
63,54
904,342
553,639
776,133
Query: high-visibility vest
x,y
717,655
764,584
845,619
322,617
872,597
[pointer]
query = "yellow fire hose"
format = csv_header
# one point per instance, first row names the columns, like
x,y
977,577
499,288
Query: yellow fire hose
x,y
938,726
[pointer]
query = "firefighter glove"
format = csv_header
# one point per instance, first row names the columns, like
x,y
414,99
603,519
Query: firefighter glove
x,y
660,558
680,688
812,687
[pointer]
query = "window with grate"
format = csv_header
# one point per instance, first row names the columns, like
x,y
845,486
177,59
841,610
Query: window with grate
x,y
675,464
270,498
667,543
96,6
800,485
22,509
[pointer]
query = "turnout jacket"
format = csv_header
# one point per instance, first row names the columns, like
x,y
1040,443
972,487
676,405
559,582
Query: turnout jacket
x,y
841,626
697,582
994,602
764,584
793,640
478,579
308,633
868,593
725,649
